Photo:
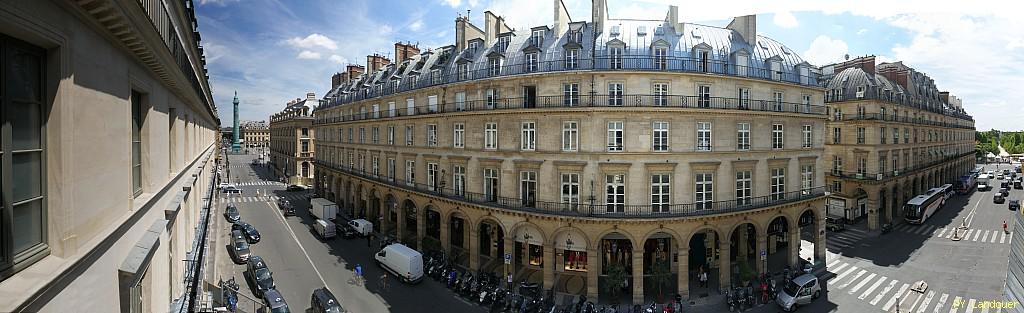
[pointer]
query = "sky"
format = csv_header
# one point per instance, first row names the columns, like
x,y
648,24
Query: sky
x,y
272,51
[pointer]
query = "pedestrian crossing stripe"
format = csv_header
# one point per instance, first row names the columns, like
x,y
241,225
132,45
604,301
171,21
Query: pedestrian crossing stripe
x,y
976,235
859,274
957,302
985,237
884,292
895,297
861,284
926,302
872,288
942,231
840,277
942,303
970,306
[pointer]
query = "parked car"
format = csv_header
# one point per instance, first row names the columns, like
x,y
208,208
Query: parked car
x,y
251,234
1000,176
403,262
259,275
799,291
1017,183
1005,192
231,213
275,302
295,188
1014,205
323,301
1004,185
239,248
222,185
346,231
835,224
231,188
361,226
286,207
998,198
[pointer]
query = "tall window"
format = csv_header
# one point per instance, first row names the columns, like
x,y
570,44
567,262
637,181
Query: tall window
x,y
528,188
837,165
615,94
572,58
431,135
703,191
491,184
460,101
862,166
777,136
463,71
704,61
742,136
837,135
494,67
616,57
528,138
391,169
570,136
459,134
777,104
432,182
362,135
491,97
704,96
459,180
661,94
571,94
703,136
491,136
410,172
408,135
743,183
808,136
531,62
391,135
906,135
571,190
807,178
661,58
615,136
860,135
375,165
615,193
895,135
807,103
661,191
778,183
375,134
744,95
138,118
660,136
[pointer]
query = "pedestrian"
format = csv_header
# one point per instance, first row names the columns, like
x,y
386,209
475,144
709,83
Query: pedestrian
x,y
509,281
703,278
1005,231
369,239
384,281
359,274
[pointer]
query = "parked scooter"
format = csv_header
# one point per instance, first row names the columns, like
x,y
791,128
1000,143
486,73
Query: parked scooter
x,y
730,299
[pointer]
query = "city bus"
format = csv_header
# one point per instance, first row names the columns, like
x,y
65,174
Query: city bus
x,y
920,208
966,184
947,192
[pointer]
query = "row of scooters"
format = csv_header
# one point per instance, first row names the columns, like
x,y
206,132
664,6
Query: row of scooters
x,y
741,298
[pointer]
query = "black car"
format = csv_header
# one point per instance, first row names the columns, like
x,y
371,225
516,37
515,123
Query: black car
x,y
231,213
286,207
1004,185
1017,184
1014,205
998,198
259,275
239,248
273,300
251,234
295,188
1004,191
835,224
323,301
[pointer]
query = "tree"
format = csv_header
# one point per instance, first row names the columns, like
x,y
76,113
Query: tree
x,y
659,276
614,281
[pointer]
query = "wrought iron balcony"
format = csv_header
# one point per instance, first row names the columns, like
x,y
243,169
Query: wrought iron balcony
x,y
930,105
895,119
903,171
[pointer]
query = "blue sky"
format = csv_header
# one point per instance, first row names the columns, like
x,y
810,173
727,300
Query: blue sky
x,y
271,51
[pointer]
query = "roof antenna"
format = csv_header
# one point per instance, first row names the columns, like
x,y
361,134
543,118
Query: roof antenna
x,y
847,56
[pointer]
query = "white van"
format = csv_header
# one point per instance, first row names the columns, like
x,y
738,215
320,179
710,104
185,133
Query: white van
x,y
401,261
361,226
324,229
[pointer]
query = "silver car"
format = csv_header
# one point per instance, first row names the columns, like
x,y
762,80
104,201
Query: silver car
x,y
799,291
239,247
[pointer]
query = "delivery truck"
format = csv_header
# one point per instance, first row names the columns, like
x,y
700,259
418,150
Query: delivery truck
x,y
323,209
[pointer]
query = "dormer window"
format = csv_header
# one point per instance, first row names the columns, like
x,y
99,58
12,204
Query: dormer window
x,y
703,60
572,58
616,57
661,58
494,66
531,62
641,30
576,36
503,42
615,30
473,46
660,30
537,38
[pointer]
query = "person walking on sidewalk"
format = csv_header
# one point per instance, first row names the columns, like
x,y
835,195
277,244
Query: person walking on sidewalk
x,y
384,281
1005,231
359,274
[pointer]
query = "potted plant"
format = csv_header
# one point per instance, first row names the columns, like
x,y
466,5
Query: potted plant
x,y
659,277
615,280
746,273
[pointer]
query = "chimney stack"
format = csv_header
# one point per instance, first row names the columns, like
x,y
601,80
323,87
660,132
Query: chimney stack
x,y
375,62
746,26
490,28
352,71
336,80
310,96
405,51
561,18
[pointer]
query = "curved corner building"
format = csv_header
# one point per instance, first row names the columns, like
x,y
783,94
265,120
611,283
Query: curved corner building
x,y
612,158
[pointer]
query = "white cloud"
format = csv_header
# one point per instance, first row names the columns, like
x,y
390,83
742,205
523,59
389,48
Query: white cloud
x,y
216,2
338,59
862,31
825,50
309,55
452,3
416,26
312,41
785,19
386,29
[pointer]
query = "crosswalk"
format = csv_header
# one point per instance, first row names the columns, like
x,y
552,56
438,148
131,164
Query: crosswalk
x,y
259,183
836,241
886,293
975,235
291,197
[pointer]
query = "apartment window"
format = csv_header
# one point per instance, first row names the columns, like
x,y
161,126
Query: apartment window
x,y
777,136
881,135
616,57
375,165
570,136
615,94
528,188
528,137
391,135
391,169
431,135
408,135
743,136
837,165
491,136
615,136
138,118
860,135
571,58
660,136
808,136
837,186
661,191
495,66
410,172
531,62
703,191
375,134
362,163
895,135
571,190
862,166
660,94
837,135
375,111
704,96
460,101
615,193
362,135
459,140
305,132
305,146
459,179
703,62
463,71
778,183
743,187
703,136
807,103
777,104
661,58
860,109
491,184
906,135
881,163
491,98
432,182
806,178
744,95
571,94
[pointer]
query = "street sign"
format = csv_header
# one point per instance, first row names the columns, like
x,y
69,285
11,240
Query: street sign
x,y
508,258
764,255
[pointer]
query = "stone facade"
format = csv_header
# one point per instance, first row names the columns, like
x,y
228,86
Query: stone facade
x,y
292,146
256,134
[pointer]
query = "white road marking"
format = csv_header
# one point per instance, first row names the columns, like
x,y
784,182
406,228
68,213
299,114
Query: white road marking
x,y
1002,239
927,301
872,288
296,238
895,297
993,237
970,306
855,277
985,237
862,283
957,303
831,264
967,236
942,231
903,228
975,238
837,278
950,235
942,303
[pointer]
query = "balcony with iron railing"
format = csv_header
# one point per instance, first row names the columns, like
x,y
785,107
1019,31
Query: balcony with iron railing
x,y
306,155
929,105
589,209
587,101
905,171
162,22
521,66
895,119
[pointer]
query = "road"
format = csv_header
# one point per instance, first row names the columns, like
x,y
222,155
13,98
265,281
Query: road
x,y
301,263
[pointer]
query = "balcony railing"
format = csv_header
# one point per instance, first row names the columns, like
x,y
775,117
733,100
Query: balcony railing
x,y
591,210
163,24
586,101
306,154
896,119
869,176
520,66
929,105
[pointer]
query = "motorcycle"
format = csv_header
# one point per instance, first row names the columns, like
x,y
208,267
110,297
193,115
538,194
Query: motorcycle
x,y
651,308
588,307
741,299
887,227
730,300
230,289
